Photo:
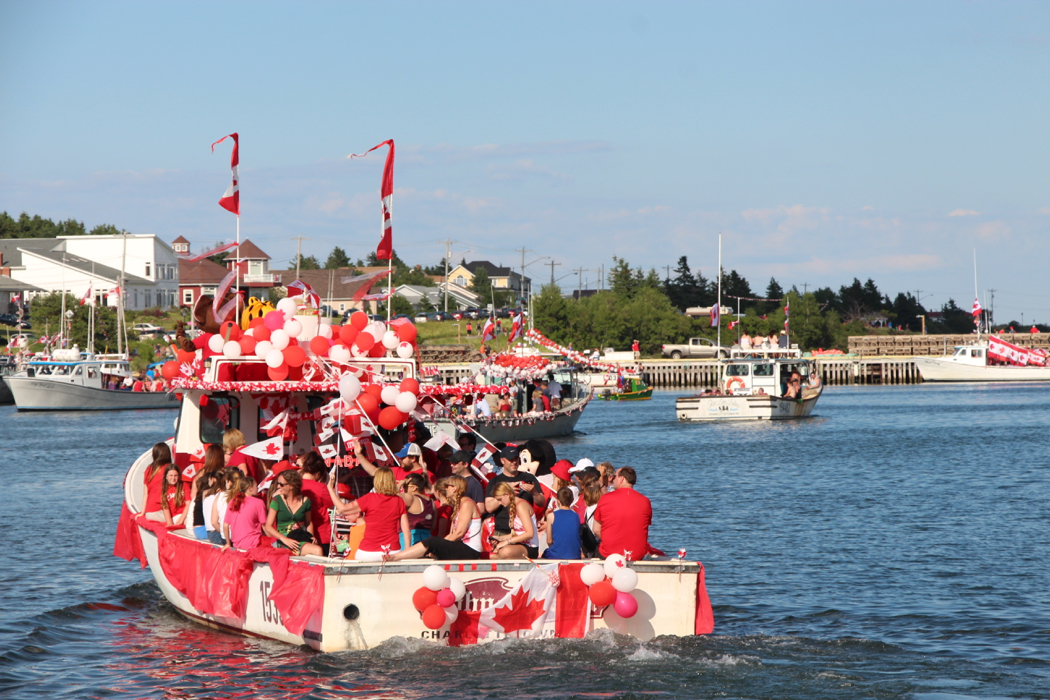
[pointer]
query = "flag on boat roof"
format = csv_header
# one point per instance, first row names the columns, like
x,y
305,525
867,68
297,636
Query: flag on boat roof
x,y
231,201
385,251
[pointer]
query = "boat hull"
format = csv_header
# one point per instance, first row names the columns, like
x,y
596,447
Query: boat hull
x,y
627,396
738,408
519,429
34,394
943,369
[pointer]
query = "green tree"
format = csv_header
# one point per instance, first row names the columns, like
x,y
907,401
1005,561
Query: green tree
x,y
307,262
47,310
482,286
425,306
401,305
554,314
105,230
336,259
38,227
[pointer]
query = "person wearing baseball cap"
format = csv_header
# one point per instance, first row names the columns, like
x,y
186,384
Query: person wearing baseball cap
x,y
525,486
461,461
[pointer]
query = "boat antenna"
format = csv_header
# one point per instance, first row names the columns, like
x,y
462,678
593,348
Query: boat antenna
x,y
976,294
718,342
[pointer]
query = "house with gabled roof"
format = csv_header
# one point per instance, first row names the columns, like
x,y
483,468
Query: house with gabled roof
x,y
502,278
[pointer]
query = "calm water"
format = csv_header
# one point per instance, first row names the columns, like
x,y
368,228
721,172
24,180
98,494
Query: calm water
x,y
895,546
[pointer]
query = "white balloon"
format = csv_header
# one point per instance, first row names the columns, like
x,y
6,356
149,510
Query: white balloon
x,y
275,358
390,394
405,350
215,343
349,387
250,331
614,563
325,331
376,328
625,580
232,349
458,587
434,577
289,306
263,348
293,328
592,573
279,339
390,340
339,354
451,612
357,352
406,402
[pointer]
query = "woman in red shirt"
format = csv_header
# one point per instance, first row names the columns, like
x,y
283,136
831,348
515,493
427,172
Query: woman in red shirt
x,y
154,481
315,473
176,496
384,513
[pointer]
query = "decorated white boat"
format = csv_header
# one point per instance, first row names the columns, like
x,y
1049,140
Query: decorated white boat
x,y
754,386
69,380
996,360
312,393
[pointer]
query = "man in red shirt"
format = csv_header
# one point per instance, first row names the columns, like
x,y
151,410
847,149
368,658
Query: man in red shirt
x,y
622,518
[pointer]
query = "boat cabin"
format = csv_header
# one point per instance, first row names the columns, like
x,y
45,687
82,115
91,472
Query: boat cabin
x,y
93,372
750,376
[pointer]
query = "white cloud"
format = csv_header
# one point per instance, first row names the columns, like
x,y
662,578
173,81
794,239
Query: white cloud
x,y
964,212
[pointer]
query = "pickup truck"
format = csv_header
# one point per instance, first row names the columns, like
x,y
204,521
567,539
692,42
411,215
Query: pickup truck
x,y
695,348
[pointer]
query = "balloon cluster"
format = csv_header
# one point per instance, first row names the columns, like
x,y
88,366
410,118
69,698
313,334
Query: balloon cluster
x,y
436,600
399,400
570,354
520,367
611,584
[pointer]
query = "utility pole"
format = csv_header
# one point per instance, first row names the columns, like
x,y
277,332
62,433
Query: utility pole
x,y
668,269
552,264
579,282
448,242
523,251
298,254
991,308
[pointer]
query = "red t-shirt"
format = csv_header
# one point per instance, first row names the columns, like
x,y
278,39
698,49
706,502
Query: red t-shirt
x,y
400,474
320,502
383,516
625,516
154,489
169,496
251,464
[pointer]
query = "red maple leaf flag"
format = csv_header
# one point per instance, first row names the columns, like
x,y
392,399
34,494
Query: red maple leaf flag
x,y
489,331
385,250
267,449
976,308
527,608
715,310
515,328
231,201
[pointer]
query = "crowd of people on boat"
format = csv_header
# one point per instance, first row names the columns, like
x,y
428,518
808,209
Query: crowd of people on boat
x,y
436,504
540,396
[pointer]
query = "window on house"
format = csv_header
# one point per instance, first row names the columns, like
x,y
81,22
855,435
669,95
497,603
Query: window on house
x,y
255,268
187,296
147,269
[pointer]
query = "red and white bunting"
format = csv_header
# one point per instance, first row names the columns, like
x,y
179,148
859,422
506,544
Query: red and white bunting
x,y
231,201
385,251
267,449
206,254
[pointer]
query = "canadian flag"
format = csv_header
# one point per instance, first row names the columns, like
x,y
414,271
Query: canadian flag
x,y
113,297
733,324
976,308
488,332
385,251
88,297
267,449
787,314
516,328
306,292
231,201
715,310
439,439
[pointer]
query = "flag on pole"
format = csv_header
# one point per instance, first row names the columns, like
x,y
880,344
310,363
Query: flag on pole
x,y
231,201
733,324
88,297
488,331
976,308
369,279
787,314
516,328
306,292
113,297
715,311
267,449
385,251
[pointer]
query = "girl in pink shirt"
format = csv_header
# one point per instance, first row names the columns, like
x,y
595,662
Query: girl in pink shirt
x,y
245,515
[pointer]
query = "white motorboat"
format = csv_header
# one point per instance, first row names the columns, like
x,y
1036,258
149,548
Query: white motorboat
x,y
753,386
333,604
70,380
994,360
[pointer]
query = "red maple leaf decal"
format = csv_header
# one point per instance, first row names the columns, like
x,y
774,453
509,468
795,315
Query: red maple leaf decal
x,y
271,449
523,615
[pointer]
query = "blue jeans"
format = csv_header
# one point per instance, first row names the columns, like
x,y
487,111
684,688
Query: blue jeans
x,y
215,537
200,532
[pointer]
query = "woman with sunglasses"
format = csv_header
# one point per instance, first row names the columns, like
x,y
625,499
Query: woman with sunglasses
x,y
288,520
523,540
384,512
464,539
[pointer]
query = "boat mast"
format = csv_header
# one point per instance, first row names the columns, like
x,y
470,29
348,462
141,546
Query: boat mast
x,y
976,294
121,325
62,318
719,302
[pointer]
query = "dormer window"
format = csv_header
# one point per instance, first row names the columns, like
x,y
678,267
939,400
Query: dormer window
x,y
147,269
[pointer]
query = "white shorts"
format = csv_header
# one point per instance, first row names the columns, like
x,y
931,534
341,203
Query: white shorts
x,y
363,555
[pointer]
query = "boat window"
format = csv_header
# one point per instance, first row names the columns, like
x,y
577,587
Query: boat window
x,y
763,370
77,372
218,414
976,353
92,372
737,370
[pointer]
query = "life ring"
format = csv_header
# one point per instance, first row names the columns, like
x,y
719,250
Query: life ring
x,y
735,380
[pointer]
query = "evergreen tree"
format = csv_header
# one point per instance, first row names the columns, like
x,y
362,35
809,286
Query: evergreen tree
x,y
307,262
773,291
906,310
336,259
105,230
734,285
482,286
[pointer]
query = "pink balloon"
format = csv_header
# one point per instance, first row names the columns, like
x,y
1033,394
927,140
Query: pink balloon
x,y
446,598
625,605
274,320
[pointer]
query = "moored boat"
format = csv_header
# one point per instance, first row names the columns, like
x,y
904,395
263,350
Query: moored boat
x,y
632,389
754,385
994,360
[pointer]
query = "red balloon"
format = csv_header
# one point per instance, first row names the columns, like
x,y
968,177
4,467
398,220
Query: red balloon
x,y
261,333
247,345
170,370
295,374
424,598
347,334
185,358
359,319
294,356
230,331
378,350
603,593
277,374
390,418
434,617
320,345
410,384
365,341
406,332
376,391
256,322
369,404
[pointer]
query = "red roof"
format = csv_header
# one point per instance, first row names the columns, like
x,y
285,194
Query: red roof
x,y
250,251
201,273
180,239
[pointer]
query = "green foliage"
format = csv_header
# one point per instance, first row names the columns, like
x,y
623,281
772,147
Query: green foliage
x,y
37,227
307,262
953,320
425,306
47,311
482,286
105,230
403,273
336,259
687,289
401,305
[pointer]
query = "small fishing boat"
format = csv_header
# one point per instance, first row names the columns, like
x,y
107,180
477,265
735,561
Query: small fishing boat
x,y
633,389
754,385
332,603
994,360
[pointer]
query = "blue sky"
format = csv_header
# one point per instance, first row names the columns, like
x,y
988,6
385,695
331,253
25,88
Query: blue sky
x,y
826,141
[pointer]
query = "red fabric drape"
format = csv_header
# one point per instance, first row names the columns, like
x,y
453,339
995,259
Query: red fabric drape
x,y
128,543
573,608
705,617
